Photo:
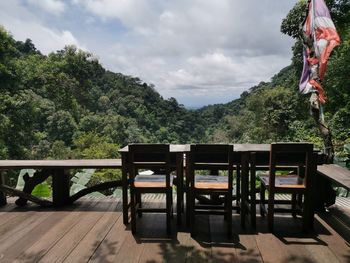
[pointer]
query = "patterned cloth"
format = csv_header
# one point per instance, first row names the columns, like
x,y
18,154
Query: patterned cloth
x,y
320,37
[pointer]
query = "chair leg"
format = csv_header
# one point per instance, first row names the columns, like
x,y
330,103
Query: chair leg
x,y
229,215
226,207
139,202
294,205
238,188
253,199
133,210
262,200
192,212
270,211
168,211
171,206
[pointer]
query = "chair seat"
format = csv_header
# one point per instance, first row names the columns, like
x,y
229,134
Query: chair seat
x,y
154,180
286,181
211,182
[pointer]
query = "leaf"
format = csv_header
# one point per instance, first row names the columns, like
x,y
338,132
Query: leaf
x,y
80,180
42,190
83,177
347,148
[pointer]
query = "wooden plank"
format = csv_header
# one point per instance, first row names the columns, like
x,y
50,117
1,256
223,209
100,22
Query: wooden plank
x,y
245,243
72,238
87,246
201,243
271,248
15,239
335,243
32,235
222,248
145,229
68,164
82,234
294,241
19,221
7,213
156,245
108,249
68,219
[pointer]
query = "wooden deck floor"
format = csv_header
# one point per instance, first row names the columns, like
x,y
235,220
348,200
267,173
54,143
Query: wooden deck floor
x,y
92,231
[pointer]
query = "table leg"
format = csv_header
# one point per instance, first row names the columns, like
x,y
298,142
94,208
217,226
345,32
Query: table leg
x,y
60,187
310,196
125,188
179,192
253,193
3,200
244,190
238,187
187,189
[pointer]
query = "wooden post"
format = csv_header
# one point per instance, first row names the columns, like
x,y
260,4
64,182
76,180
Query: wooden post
x,y
252,189
310,196
179,189
244,185
125,188
3,200
60,187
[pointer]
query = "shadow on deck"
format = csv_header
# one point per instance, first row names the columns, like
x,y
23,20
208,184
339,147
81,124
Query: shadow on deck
x,y
92,231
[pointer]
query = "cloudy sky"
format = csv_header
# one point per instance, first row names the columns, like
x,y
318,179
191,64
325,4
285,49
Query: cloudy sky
x,y
198,51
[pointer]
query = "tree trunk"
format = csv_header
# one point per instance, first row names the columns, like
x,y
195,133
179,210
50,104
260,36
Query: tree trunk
x,y
323,128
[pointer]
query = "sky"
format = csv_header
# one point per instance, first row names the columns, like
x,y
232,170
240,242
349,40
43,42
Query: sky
x,y
198,51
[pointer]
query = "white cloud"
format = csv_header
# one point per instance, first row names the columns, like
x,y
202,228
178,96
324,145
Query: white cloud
x,y
197,48
54,7
206,47
132,13
23,24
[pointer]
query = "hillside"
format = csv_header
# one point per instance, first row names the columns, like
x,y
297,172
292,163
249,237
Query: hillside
x,y
66,105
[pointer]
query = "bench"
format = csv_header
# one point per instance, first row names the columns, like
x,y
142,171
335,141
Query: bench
x,y
328,174
337,174
58,169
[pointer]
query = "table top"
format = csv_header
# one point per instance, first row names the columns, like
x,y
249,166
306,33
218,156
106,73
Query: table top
x,y
174,148
247,147
68,164
336,173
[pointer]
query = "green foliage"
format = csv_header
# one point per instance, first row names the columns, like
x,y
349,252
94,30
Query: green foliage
x,y
66,105
291,24
42,190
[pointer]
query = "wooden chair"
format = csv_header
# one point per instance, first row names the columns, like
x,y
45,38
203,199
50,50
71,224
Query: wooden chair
x,y
295,157
154,157
212,157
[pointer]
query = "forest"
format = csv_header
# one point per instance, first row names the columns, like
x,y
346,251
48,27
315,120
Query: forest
x,y
66,105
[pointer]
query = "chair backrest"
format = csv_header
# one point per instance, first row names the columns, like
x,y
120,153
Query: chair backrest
x,y
150,156
299,155
211,157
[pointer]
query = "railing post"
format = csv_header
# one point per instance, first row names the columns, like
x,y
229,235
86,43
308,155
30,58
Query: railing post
x,y
125,188
3,200
60,187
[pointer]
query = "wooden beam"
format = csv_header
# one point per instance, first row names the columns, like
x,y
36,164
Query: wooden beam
x,y
2,194
34,199
98,187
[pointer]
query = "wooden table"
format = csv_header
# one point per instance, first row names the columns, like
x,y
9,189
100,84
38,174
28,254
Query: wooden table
x,y
242,157
58,169
179,151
